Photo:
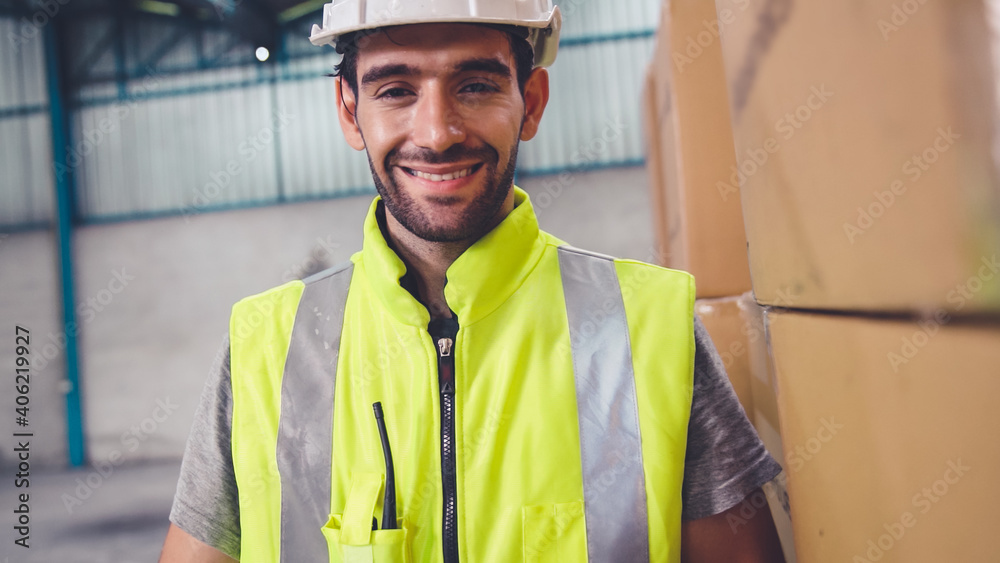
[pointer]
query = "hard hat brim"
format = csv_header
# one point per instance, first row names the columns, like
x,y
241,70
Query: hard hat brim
x,y
544,45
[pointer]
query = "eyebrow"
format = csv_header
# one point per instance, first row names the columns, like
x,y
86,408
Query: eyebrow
x,y
489,65
378,73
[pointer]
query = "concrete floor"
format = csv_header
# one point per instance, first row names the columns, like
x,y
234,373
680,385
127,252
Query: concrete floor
x,y
122,518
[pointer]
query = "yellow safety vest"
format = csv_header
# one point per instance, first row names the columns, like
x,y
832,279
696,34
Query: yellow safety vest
x,y
572,394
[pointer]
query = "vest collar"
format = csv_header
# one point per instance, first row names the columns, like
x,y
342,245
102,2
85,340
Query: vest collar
x,y
479,281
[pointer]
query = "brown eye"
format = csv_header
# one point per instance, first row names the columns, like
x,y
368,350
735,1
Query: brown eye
x,y
479,88
394,93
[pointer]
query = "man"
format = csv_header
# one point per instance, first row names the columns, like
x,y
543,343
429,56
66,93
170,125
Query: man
x,y
541,403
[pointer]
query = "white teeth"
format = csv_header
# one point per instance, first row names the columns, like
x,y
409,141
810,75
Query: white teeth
x,y
442,177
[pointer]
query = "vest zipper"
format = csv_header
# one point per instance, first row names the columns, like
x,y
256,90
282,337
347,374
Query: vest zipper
x,y
444,331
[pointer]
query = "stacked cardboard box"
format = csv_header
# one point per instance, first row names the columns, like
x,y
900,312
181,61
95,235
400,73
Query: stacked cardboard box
x,y
865,141
737,330
889,452
690,144
731,336
866,137
699,228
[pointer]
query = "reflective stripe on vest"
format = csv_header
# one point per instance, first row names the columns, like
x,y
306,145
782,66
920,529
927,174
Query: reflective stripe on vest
x,y
613,479
305,427
614,487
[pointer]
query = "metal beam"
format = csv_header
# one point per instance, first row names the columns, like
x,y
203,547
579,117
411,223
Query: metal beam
x,y
602,38
64,186
213,62
21,111
295,14
93,55
15,9
121,62
166,46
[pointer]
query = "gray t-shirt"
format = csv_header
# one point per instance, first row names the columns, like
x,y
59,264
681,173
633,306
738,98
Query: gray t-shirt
x,y
725,459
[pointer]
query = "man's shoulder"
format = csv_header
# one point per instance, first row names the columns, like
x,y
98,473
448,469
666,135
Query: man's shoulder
x,y
627,268
293,288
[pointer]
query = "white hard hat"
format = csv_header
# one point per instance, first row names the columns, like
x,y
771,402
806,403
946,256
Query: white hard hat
x,y
539,17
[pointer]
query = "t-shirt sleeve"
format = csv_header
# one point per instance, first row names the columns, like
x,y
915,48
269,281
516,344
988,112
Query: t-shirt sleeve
x,y
725,461
206,504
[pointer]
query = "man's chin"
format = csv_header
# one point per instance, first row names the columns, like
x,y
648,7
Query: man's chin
x,y
436,225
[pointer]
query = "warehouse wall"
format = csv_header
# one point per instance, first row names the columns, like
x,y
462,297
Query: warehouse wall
x,y
167,142
25,146
29,276
29,298
171,139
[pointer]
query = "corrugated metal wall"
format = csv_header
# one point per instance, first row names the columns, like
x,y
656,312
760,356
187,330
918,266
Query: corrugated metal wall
x,y
595,18
26,176
592,119
145,155
173,142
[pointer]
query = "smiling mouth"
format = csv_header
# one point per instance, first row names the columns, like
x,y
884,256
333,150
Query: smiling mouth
x,y
442,177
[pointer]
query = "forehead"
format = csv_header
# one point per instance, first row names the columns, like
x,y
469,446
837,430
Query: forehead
x,y
435,45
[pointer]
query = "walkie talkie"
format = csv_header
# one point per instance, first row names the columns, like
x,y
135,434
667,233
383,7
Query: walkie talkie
x,y
389,502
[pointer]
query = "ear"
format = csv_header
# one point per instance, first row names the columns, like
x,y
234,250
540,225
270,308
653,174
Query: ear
x,y
347,108
536,96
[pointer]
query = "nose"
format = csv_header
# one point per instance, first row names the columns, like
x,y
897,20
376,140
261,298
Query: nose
x,y
437,123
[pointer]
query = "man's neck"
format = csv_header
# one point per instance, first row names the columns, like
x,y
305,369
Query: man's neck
x,y
428,261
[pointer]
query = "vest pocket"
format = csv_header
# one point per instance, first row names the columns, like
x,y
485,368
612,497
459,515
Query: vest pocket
x,y
554,532
349,536
385,546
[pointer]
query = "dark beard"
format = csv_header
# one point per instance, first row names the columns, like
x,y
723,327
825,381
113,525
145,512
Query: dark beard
x,y
475,221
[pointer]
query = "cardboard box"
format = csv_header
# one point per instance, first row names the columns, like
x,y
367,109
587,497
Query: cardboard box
x,y
656,159
765,417
690,146
866,136
889,429
725,325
